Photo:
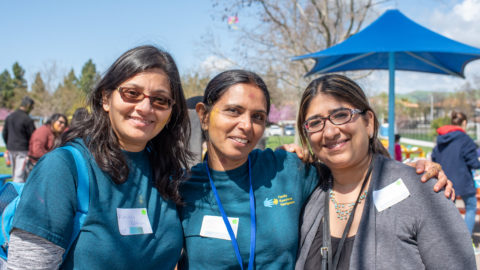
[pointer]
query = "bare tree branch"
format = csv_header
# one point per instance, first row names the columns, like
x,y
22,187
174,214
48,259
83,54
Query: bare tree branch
x,y
285,29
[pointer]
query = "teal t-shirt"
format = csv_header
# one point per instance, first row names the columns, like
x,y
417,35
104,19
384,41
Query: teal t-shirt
x,y
281,183
48,203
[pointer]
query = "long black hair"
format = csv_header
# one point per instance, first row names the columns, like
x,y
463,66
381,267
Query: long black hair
x,y
167,150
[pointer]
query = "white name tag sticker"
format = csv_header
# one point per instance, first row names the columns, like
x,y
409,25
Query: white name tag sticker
x,y
390,195
214,227
133,221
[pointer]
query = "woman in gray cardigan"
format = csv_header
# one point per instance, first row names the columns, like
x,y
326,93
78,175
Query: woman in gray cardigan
x,y
370,212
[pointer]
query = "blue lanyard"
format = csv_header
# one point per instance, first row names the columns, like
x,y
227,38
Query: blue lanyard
x,y
253,226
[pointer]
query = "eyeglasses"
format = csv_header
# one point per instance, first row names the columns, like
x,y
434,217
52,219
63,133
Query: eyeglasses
x,y
158,102
339,117
61,122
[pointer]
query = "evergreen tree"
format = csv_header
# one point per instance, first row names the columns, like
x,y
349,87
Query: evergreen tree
x,y
38,87
19,84
88,78
6,90
66,96
18,76
41,96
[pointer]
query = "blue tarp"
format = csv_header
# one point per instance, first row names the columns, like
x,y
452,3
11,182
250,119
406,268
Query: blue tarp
x,y
416,48
395,42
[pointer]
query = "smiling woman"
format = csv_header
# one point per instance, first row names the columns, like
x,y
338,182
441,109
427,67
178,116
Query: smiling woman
x,y
360,215
238,118
130,109
134,143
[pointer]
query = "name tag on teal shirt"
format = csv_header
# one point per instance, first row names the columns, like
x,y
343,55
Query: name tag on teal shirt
x,y
133,221
213,227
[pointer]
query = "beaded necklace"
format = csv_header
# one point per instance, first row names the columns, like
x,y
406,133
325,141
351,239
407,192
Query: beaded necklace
x,y
344,210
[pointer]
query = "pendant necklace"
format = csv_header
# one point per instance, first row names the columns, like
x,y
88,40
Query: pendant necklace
x,y
344,210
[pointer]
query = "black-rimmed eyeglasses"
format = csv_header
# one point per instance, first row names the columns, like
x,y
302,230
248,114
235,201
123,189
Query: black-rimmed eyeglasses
x,y
133,95
338,117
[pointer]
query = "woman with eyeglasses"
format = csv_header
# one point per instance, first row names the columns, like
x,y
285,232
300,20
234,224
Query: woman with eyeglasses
x,y
134,142
251,196
44,139
369,211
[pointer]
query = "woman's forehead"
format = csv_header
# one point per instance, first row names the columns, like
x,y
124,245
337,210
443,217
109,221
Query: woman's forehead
x,y
325,103
243,93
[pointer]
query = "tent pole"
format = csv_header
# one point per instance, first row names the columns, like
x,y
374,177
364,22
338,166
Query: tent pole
x,y
391,104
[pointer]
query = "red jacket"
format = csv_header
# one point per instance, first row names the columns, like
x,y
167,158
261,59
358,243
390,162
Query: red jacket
x,y
41,142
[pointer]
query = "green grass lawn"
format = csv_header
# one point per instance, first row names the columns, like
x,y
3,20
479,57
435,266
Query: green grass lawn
x,y
275,141
3,167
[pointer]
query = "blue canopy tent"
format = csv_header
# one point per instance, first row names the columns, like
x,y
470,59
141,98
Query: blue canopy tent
x,y
394,42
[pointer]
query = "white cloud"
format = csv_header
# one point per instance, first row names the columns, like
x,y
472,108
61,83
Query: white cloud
x,y
468,10
459,22
213,64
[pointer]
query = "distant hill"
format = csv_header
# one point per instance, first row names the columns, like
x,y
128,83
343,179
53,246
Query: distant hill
x,y
421,96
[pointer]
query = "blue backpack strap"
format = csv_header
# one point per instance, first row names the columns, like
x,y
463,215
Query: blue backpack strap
x,y
9,198
83,198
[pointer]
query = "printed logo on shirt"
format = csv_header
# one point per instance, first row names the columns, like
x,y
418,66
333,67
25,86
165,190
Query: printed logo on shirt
x,y
279,201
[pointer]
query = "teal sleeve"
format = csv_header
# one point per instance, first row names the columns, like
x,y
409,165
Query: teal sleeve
x,y
306,173
48,201
311,180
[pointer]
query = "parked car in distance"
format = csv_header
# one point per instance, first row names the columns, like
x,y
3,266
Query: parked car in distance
x,y
289,130
274,130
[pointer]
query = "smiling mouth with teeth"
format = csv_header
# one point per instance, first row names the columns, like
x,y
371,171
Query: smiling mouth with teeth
x,y
244,141
141,120
330,146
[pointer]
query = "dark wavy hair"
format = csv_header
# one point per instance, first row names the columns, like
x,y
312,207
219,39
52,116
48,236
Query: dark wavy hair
x,y
344,89
78,116
168,152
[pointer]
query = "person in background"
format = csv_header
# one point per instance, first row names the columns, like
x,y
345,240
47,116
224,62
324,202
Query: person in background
x,y
44,139
477,144
196,138
134,143
457,153
369,211
17,131
398,148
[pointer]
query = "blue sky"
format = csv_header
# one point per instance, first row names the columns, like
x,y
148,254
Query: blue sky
x,y
68,33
